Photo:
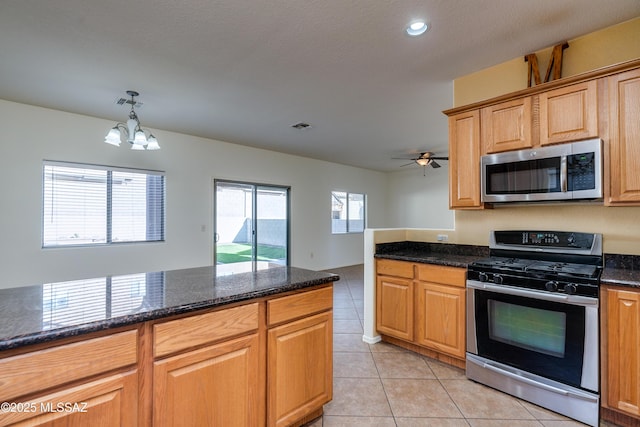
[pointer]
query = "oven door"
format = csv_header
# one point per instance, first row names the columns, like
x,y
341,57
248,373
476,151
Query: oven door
x,y
554,336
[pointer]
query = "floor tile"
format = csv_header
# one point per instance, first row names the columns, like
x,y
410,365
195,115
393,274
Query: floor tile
x,y
347,327
358,397
339,421
478,401
348,313
419,398
383,347
442,371
349,342
402,365
503,423
354,365
431,422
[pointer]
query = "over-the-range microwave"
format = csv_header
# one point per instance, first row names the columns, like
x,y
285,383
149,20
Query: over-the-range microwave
x,y
570,171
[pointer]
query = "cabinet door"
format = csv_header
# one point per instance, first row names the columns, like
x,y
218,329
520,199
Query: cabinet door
x,y
624,110
569,113
107,402
464,160
507,126
299,368
215,386
623,338
441,318
394,307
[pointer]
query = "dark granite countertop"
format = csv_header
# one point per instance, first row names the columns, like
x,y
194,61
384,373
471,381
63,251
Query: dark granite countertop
x,y
451,255
36,314
621,270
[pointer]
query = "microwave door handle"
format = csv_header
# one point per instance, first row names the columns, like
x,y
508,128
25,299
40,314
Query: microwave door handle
x,y
563,174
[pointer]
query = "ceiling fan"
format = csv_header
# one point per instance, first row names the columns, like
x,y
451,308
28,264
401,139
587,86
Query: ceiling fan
x,y
424,159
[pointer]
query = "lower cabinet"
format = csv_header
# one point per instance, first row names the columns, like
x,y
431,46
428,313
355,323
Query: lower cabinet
x,y
440,318
93,382
300,374
621,367
394,308
422,305
299,356
218,383
108,402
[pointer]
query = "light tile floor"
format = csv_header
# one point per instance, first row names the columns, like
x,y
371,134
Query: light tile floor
x,y
383,385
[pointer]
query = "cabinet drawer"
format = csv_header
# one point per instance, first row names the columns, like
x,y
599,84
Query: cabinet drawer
x,y
180,334
42,369
299,305
394,268
453,276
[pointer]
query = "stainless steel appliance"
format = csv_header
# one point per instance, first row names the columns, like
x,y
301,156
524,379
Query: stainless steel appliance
x,y
559,172
532,319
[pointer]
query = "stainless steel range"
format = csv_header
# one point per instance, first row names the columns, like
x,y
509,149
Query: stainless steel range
x,y
532,319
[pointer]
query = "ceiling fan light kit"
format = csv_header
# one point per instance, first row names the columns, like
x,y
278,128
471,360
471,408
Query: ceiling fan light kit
x,y
424,159
135,135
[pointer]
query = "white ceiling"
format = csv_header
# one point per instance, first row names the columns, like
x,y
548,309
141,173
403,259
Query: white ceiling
x,y
244,71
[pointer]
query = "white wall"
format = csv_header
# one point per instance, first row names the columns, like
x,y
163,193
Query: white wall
x,y
420,201
29,134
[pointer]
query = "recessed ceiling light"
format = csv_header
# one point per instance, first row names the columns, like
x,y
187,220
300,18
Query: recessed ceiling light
x,y
417,28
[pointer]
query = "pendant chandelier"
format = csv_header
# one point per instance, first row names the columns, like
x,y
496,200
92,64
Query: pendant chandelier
x,y
135,135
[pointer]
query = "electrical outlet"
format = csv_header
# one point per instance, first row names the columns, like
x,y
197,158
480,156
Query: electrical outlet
x,y
443,238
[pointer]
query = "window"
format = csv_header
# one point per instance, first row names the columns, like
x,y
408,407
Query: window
x,y
347,212
97,205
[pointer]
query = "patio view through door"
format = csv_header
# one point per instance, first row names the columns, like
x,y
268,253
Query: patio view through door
x,y
251,228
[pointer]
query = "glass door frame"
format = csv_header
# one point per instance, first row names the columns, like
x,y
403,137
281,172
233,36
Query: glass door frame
x,y
254,217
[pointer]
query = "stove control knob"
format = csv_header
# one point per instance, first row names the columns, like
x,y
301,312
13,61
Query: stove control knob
x,y
497,279
483,277
551,286
570,288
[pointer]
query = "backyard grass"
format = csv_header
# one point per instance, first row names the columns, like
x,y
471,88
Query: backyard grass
x,y
228,253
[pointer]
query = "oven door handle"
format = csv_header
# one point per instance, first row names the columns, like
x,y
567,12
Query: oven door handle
x,y
537,384
562,298
563,174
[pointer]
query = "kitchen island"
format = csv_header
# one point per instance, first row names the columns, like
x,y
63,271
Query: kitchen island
x,y
169,348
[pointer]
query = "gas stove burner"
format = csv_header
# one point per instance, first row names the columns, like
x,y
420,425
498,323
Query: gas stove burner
x,y
563,269
510,264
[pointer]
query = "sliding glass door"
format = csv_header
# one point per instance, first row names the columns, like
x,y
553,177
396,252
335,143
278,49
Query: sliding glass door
x,y
251,226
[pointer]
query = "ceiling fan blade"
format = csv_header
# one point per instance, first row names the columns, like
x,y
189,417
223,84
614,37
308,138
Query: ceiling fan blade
x,y
404,158
408,164
434,164
439,158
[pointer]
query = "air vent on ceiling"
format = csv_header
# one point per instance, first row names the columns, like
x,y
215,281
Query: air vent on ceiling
x,y
301,125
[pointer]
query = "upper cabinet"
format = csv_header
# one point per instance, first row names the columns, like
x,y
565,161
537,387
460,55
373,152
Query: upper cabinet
x,y
624,138
507,126
569,113
599,104
464,160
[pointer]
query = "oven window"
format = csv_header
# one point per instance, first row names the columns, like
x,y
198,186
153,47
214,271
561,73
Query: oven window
x,y
524,177
542,337
528,328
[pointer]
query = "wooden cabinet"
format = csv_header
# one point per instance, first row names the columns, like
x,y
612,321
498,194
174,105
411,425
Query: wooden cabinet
x,y
218,383
569,113
621,366
440,309
426,309
394,307
507,126
464,160
299,356
268,361
624,141
91,382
